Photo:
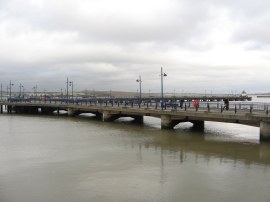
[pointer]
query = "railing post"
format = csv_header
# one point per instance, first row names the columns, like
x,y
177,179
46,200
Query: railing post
x,y
235,109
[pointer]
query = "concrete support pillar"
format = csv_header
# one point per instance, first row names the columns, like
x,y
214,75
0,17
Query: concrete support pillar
x,y
167,122
99,116
108,116
33,110
138,119
198,125
9,109
47,110
71,112
264,131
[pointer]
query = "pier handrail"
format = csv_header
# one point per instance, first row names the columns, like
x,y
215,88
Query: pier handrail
x,y
235,106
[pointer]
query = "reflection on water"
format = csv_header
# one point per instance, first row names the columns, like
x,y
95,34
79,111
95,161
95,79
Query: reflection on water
x,y
81,159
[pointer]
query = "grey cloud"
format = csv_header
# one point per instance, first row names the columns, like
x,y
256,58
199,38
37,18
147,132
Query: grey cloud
x,y
102,47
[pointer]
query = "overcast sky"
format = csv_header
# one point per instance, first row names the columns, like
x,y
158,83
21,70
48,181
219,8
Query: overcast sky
x,y
203,46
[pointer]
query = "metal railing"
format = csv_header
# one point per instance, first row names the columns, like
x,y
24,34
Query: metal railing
x,y
158,105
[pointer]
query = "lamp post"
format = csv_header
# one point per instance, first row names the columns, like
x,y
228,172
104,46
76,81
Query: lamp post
x,y
10,84
23,91
35,92
71,84
67,89
21,86
140,83
44,95
162,98
1,92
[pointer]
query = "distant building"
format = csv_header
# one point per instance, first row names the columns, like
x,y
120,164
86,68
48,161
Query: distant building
x,y
244,94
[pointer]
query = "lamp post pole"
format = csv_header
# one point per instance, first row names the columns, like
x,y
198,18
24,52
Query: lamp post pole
x,y
140,83
162,97
21,86
71,84
23,92
67,89
10,84
1,92
35,92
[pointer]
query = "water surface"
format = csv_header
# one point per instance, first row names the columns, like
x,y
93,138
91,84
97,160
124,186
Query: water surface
x,y
61,159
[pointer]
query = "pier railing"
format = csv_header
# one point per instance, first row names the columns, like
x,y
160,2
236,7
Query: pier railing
x,y
209,106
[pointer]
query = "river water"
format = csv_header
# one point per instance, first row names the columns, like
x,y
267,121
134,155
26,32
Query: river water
x,y
62,159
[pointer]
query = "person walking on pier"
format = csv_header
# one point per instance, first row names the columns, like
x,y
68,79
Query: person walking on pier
x,y
226,104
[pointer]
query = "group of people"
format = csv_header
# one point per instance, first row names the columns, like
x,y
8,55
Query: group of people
x,y
226,103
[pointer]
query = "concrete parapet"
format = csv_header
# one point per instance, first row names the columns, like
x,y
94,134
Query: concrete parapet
x,y
264,131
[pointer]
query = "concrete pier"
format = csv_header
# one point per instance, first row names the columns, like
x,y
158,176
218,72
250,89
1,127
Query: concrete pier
x,y
9,109
198,125
265,131
109,116
167,122
138,119
254,116
71,112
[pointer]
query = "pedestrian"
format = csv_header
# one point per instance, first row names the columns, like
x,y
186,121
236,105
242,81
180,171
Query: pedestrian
x,y
226,104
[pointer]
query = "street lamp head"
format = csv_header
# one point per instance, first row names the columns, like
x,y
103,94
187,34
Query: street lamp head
x,y
164,74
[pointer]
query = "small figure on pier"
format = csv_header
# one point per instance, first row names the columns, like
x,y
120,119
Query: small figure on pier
x,y
181,103
195,103
226,104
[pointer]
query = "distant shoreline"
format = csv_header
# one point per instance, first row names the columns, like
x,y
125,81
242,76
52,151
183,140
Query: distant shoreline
x,y
263,96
